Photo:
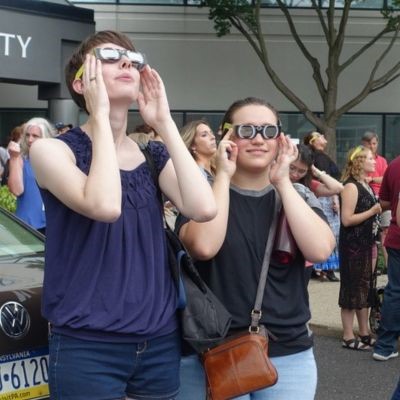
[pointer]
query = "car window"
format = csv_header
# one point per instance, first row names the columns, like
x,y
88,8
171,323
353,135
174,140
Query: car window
x,y
16,240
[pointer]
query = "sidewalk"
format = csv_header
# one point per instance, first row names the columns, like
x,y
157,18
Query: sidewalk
x,y
325,312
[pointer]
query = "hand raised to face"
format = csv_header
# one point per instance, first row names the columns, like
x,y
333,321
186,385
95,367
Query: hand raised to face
x,y
287,153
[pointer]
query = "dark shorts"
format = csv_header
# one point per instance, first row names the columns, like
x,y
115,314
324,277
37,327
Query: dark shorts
x,y
89,370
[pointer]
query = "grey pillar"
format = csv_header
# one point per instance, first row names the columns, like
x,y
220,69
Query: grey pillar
x,y
63,110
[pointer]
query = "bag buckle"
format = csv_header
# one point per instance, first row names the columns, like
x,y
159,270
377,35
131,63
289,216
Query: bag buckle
x,y
255,319
254,329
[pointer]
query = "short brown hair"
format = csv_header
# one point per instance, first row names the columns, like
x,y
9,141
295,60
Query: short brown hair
x,y
78,57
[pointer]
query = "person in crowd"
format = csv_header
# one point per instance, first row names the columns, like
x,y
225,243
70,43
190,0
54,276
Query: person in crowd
x,y
396,394
62,128
386,346
108,291
15,136
253,160
356,240
377,356
4,156
21,179
144,133
304,171
371,140
330,204
200,141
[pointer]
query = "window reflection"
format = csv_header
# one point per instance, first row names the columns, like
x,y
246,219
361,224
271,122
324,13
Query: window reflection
x,y
350,129
392,137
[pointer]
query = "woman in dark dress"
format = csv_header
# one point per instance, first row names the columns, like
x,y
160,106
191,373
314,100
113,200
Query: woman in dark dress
x,y
359,209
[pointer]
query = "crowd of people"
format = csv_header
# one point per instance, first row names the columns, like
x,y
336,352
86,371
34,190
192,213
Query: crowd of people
x,y
108,293
16,170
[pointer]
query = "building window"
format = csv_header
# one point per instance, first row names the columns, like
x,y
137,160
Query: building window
x,y
392,137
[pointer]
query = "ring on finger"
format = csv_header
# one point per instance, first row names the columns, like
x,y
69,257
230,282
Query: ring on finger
x,y
93,78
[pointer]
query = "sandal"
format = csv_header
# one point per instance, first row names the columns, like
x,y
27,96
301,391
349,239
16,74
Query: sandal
x,y
367,339
355,344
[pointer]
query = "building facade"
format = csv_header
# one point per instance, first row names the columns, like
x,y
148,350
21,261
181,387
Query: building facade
x,y
204,74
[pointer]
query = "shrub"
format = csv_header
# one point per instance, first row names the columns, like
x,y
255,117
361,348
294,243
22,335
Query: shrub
x,y
7,199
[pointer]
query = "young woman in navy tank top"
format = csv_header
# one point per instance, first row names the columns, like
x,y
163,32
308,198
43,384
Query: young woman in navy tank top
x,y
108,292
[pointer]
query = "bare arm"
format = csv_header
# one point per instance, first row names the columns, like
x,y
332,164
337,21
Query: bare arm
x,y
398,212
98,194
181,179
328,186
385,204
349,198
313,235
204,240
15,179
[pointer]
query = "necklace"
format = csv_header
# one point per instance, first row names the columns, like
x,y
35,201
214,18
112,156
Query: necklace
x,y
368,189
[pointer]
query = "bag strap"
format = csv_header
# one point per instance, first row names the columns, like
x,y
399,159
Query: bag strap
x,y
256,312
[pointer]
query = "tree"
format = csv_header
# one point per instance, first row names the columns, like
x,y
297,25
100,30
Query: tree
x,y
244,15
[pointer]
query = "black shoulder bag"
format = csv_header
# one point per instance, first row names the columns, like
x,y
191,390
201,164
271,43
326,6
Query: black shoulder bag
x,y
203,318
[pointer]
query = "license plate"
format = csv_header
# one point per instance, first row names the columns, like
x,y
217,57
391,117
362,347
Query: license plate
x,y
24,375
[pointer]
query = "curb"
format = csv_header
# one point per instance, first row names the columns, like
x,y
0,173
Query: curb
x,y
322,330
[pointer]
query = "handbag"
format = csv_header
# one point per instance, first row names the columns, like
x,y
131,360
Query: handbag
x,y
204,320
240,364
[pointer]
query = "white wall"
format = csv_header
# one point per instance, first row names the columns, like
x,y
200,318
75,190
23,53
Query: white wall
x,y
204,72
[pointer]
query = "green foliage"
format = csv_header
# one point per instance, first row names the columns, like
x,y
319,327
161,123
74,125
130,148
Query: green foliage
x,y
226,13
7,199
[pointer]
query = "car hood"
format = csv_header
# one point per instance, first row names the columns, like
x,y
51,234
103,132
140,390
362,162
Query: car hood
x,y
20,275
21,283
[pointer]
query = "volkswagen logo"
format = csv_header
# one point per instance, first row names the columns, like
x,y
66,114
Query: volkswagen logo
x,y
14,320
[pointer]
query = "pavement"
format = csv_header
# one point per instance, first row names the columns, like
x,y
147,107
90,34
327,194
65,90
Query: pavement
x,y
325,312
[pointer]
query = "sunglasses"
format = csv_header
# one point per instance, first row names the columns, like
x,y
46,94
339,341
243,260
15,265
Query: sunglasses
x,y
110,56
249,131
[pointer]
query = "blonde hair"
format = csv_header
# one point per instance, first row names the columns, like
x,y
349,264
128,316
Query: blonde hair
x,y
46,128
188,134
355,162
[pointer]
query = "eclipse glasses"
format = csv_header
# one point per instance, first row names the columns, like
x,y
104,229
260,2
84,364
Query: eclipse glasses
x,y
250,131
111,55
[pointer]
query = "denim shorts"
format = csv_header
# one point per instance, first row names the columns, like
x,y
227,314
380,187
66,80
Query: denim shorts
x,y
89,370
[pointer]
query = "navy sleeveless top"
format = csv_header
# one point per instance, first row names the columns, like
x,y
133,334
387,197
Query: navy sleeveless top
x,y
109,281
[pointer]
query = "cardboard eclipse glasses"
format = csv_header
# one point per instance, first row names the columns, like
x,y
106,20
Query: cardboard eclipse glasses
x,y
110,55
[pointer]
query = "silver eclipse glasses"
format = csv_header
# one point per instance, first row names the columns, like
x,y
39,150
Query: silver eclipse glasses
x,y
112,55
